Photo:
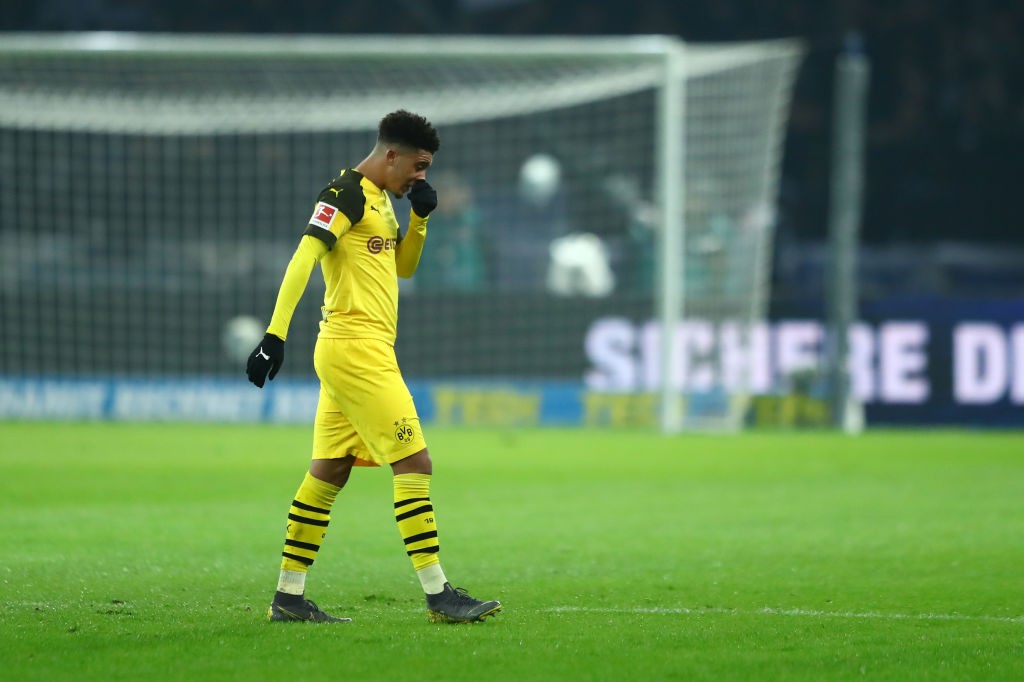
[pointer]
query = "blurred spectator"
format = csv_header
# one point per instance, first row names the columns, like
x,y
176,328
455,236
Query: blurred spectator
x,y
522,223
453,257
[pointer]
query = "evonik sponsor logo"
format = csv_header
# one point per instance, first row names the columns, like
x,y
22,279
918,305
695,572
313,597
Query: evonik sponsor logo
x,y
376,244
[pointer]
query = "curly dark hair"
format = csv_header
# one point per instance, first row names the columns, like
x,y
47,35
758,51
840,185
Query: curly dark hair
x,y
408,129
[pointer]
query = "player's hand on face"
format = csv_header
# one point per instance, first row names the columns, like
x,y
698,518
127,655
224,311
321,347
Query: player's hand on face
x,y
268,356
423,198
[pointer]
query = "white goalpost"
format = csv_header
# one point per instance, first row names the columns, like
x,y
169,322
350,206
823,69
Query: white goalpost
x,y
594,192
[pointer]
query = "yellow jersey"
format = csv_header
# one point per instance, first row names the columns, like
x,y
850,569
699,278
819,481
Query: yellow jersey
x,y
354,236
355,219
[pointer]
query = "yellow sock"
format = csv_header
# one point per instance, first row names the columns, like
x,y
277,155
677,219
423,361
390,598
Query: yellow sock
x,y
308,517
415,516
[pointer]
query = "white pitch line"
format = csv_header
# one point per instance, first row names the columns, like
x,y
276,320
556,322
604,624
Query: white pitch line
x,y
808,613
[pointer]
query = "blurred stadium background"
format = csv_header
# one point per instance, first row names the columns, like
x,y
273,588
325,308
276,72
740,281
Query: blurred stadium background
x,y
143,254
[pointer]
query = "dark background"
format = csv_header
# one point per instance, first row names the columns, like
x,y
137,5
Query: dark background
x,y
947,104
945,150
941,232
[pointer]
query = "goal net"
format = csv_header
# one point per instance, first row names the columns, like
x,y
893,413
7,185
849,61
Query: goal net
x,y
593,192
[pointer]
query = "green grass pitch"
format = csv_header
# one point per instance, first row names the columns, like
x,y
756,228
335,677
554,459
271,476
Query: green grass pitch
x,y
150,552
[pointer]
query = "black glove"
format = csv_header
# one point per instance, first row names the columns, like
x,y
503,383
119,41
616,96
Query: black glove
x,y
423,198
268,357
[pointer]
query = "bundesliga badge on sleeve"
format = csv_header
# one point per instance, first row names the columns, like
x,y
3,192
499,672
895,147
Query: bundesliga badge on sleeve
x,y
323,214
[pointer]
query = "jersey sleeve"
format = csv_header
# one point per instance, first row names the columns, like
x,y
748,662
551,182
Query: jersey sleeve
x,y
338,207
410,247
296,276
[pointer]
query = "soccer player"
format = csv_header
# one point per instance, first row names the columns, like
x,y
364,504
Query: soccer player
x,y
365,413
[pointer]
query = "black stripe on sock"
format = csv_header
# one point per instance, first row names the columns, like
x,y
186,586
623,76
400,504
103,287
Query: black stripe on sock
x,y
304,519
296,557
402,503
421,536
303,545
414,512
308,507
425,550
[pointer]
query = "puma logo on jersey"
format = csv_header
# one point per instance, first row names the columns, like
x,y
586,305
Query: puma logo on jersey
x,y
336,190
